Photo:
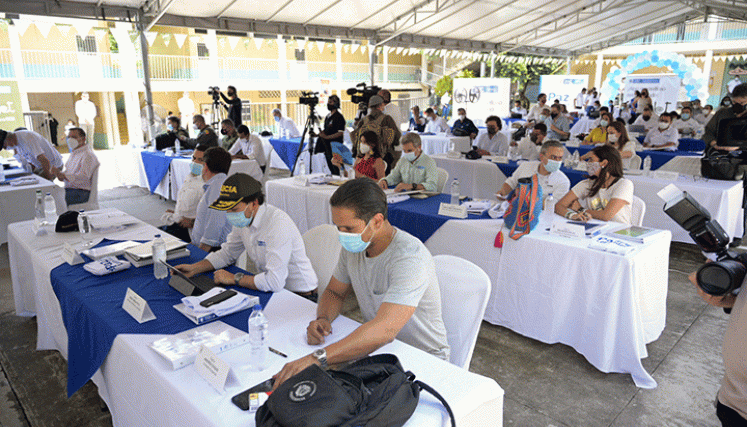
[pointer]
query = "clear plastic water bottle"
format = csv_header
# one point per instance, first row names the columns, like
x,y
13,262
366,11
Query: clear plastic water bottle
x,y
575,159
258,334
159,257
301,167
647,165
177,147
2,173
550,204
50,210
455,192
40,216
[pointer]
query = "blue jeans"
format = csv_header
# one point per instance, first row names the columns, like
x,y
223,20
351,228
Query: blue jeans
x,y
74,196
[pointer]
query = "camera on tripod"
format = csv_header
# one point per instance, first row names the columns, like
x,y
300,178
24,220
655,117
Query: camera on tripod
x,y
362,93
309,98
214,91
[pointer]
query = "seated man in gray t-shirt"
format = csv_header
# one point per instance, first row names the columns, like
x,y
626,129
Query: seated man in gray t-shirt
x,y
394,279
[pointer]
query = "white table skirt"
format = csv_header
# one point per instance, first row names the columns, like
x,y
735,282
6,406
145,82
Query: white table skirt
x,y
307,206
179,170
438,144
607,307
141,390
18,203
583,125
477,178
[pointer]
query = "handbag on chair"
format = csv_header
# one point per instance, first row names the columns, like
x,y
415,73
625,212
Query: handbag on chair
x,y
525,207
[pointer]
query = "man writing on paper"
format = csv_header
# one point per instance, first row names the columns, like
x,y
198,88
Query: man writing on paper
x,y
34,152
415,171
211,227
182,219
268,235
79,169
551,178
394,279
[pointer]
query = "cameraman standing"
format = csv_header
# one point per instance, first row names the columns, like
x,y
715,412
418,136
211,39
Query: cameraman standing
x,y
737,109
731,402
334,129
232,104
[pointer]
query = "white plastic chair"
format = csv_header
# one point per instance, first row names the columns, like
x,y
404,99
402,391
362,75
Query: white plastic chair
x,y
465,290
93,200
639,211
635,162
323,249
443,178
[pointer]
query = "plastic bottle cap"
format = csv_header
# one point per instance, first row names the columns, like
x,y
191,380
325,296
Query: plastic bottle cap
x,y
157,236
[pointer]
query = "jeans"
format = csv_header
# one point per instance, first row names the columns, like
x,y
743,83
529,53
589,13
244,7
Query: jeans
x,y
74,196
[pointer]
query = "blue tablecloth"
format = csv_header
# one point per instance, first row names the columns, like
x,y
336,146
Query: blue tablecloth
x,y
287,149
658,157
573,175
691,144
156,165
93,315
420,217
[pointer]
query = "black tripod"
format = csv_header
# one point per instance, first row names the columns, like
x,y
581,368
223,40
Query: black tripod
x,y
307,129
216,115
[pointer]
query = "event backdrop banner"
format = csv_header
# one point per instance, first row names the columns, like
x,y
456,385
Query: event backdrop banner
x,y
11,116
482,97
662,88
563,88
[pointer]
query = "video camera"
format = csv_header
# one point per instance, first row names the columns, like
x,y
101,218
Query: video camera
x,y
362,93
214,91
727,273
309,98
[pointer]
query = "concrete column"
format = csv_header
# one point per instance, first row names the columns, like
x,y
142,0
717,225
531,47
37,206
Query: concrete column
x,y
707,72
132,112
15,52
111,124
146,80
211,42
492,65
372,62
598,74
128,64
385,77
483,70
423,67
338,67
283,66
568,65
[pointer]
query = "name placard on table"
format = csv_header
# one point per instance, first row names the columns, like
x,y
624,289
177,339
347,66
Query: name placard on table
x,y
566,229
214,370
137,307
453,211
70,255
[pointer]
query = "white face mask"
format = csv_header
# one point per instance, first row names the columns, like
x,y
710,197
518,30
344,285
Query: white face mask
x,y
195,127
72,143
410,157
663,125
593,168
363,148
462,117
612,137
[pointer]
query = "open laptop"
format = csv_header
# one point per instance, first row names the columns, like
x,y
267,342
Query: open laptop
x,y
189,286
462,144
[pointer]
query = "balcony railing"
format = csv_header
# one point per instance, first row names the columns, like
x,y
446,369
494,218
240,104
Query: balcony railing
x,y
44,64
6,64
695,32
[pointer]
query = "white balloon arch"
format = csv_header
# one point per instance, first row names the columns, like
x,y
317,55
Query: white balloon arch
x,y
692,77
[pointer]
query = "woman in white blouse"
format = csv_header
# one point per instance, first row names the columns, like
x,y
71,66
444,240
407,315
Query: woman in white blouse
x,y
617,136
606,195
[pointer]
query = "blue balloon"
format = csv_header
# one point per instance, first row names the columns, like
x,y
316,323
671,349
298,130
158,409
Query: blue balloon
x,y
689,88
675,65
655,59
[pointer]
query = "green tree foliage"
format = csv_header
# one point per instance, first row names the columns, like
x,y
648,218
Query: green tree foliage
x,y
446,83
525,74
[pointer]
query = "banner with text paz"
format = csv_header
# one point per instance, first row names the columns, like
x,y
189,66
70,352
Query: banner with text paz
x,y
11,115
664,89
563,88
482,97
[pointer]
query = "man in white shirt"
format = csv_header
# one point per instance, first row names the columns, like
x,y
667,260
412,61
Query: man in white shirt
x,y
706,115
648,119
625,112
665,136
580,101
518,110
249,146
182,219
211,227
394,280
492,142
269,237
529,146
435,123
536,109
79,169
686,125
34,152
285,124
550,177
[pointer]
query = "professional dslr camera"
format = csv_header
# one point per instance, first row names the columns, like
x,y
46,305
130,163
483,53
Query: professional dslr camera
x,y
309,98
727,273
214,91
362,93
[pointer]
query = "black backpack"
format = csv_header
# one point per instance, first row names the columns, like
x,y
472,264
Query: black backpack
x,y
374,392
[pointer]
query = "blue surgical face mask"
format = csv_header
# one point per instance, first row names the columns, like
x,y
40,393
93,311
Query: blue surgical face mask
x,y
352,242
170,127
410,157
685,116
553,165
195,168
277,119
238,219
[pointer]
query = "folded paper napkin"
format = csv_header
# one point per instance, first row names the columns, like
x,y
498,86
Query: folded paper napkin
x,y
107,265
498,210
478,206
235,303
612,245
396,198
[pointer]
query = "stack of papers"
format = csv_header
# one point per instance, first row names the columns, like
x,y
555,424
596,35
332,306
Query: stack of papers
x,y
19,182
191,307
106,266
478,207
319,179
396,198
142,254
612,245
182,349
100,221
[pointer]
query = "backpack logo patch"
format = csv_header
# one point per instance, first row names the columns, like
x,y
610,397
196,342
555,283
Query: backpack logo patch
x,y
302,391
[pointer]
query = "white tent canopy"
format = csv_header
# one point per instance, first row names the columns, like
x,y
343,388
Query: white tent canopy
x,y
562,28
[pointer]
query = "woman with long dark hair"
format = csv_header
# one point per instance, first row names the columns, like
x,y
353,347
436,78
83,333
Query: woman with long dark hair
x,y
606,195
369,161
617,136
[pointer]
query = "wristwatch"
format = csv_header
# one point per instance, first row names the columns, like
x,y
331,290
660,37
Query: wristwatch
x,y
321,356
237,278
